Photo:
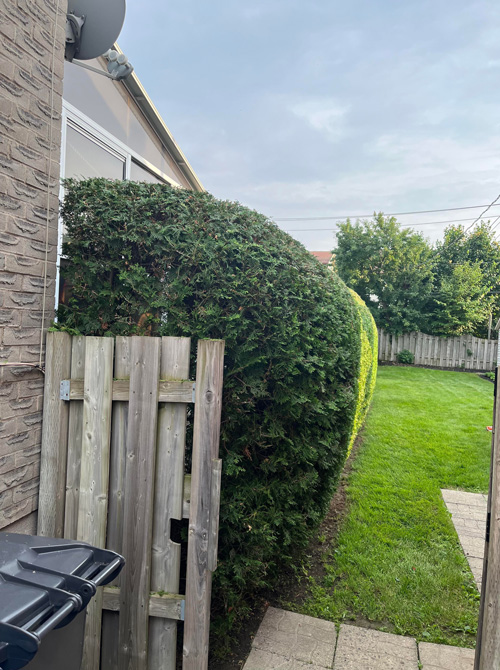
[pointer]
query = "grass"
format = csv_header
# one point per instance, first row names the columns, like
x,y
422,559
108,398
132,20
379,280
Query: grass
x,y
396,561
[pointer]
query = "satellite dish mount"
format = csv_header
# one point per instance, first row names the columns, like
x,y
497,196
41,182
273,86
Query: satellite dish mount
x,y
92,27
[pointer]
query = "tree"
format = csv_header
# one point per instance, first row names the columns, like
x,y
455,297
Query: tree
x,y
390,268
459,303
467,282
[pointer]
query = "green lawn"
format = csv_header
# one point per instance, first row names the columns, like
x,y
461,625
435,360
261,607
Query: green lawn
x,y
397,560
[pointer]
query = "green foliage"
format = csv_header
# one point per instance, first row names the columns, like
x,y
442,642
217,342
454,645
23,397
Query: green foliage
x,y
145,258
367,366
406,357
388,267
466,270
447,289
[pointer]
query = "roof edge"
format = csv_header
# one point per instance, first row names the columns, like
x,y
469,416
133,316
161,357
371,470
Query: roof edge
x,y
145,104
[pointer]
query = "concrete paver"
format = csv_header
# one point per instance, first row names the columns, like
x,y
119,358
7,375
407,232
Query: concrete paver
x,y
443,657
468,513
265,660
291,641
296,637
364,649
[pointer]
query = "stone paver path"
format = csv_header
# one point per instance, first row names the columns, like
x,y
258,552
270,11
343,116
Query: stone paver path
x,y
290,641
468,513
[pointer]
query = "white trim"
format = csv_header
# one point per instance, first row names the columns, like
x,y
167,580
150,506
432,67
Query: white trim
x,y
79,119
64,120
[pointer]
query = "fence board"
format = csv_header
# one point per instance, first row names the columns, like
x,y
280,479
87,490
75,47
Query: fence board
x,y
110,623
138,504
206,432
169,390
54,436
94,473
166,554
74,444
488,635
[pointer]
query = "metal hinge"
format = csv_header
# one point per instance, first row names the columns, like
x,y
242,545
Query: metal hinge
x,y
194,391
64,389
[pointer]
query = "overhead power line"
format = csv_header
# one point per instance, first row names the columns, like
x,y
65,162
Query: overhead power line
x,y
403,225
361,216
483,213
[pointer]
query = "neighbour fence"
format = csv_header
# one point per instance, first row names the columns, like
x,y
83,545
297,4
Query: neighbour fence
x,y
112,474
466,352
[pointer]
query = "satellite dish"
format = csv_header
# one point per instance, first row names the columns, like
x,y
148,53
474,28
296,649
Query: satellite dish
x,y
92,27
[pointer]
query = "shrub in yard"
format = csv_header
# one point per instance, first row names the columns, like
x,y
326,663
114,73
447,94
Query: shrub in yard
x,y
406,357
149,259
367,365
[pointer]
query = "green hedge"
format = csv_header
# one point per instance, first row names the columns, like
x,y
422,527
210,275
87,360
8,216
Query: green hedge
x,y
367,366
146,258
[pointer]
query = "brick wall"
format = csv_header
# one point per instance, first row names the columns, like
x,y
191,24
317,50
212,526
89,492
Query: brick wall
x,y
30,138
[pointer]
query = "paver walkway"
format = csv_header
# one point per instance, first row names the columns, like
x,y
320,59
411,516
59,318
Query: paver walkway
x,y
468,513
290,641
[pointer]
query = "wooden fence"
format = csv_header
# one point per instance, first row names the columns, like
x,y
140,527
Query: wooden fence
x,y
466,352
112,474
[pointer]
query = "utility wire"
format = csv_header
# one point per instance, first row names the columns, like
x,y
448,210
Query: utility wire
x,y
403,225
481,215
361,216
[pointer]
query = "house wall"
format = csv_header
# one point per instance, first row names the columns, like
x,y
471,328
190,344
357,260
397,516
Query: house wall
x,y
31,71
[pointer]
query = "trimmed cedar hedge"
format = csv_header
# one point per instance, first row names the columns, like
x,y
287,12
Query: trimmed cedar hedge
x,y
149,259
367,366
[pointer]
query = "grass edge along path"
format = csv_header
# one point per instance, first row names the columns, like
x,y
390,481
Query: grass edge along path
x,y
396,563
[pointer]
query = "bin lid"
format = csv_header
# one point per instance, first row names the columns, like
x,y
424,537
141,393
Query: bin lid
x,y
44,584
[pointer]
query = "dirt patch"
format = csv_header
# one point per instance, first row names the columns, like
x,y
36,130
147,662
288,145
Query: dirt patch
x,y
293,589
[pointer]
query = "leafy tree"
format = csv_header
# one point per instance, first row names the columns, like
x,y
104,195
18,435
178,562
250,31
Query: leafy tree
x,y
460,302
390,268
467,282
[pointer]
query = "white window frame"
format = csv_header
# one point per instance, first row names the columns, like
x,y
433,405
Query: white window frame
x,y
74,118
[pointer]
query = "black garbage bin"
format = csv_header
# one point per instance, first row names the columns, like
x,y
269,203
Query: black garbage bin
x,y
46,585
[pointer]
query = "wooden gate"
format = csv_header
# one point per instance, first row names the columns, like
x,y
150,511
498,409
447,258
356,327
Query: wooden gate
x,y
112,474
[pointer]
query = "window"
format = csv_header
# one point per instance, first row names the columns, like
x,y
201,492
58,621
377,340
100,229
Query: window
x,y
86,157
90,151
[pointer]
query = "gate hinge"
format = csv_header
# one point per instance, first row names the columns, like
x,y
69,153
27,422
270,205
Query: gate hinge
x,y
64,389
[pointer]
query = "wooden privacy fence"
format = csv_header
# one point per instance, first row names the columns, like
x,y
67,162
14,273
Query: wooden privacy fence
x,y
467,352
112,474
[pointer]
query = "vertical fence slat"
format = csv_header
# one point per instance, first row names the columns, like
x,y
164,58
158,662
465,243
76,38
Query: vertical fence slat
x,y
205,450
166,554
54,437
138,504
94,475
75,436
110,620
488,635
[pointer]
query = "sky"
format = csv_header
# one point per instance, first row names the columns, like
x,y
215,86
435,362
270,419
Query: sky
x,y
321,108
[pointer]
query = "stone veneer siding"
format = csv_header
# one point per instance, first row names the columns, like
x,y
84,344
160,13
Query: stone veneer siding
x,y
27,111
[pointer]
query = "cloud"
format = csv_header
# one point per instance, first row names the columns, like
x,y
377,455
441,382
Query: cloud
x,y
325,115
